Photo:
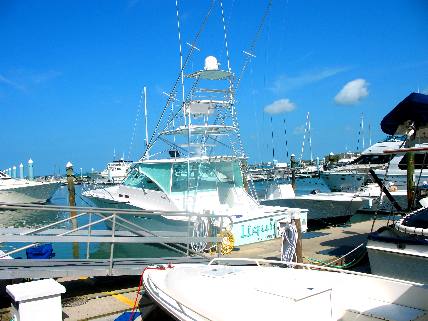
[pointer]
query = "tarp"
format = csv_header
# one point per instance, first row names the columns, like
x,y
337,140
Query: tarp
x,y
414,108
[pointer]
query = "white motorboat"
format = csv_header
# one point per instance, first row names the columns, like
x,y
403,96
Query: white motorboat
x,y
350,177
327,207
14,191
196,176
116,171
400,249
273,290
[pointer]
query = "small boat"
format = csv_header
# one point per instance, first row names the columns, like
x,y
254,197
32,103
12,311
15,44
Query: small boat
x,y
24,191
245,289
327,207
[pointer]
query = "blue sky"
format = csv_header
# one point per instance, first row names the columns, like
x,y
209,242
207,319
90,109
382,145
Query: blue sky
x,y
71,72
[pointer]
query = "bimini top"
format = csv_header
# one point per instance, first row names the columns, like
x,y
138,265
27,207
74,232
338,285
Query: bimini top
x,y
414,108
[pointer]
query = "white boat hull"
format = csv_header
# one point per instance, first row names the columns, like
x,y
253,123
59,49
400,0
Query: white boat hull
x,y
343,181
222,292
401,261
322,206
248,224
35,192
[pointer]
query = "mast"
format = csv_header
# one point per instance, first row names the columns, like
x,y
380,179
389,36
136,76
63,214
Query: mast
x,y
273,147
362,128
310,138
286,142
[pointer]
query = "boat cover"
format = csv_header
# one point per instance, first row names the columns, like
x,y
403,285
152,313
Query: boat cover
x,y
418,220
414,107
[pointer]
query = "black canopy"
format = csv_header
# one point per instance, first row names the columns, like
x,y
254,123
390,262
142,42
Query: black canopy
x,y
414,107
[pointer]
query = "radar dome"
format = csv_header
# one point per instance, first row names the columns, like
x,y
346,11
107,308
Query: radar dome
x,y
211,63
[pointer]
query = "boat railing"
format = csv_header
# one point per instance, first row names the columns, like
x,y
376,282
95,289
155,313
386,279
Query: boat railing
x,y
87,225
295,265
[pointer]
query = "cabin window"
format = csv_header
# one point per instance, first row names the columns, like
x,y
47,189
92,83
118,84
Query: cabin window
x,y
419,162
373,159
205,176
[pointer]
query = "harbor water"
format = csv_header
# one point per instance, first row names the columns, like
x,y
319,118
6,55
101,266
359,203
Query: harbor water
x,y
36,219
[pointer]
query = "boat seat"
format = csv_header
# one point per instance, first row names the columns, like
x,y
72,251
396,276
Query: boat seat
x,y
371,310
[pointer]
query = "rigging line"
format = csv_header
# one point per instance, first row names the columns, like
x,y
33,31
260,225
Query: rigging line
x,y
383,183
135,124
419,177
304,136
175,145
254,42
310,138
174,87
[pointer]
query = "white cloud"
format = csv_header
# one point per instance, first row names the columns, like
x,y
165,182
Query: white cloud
x,y
280,106
352,92
425,91
11,83
285,82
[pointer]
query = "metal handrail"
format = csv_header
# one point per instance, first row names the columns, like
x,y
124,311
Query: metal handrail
x,y
113,215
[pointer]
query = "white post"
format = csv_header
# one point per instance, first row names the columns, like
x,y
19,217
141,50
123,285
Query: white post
x,y
36,301
30,169
21,171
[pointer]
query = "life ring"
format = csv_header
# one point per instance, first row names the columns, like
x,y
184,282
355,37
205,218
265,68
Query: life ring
x,y
227,242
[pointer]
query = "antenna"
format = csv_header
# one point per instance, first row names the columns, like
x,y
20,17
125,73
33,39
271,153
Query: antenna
x,y
225,36
181,51
145,118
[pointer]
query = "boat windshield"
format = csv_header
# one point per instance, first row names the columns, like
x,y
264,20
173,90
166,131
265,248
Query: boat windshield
x,y
205,175
149,176
372,159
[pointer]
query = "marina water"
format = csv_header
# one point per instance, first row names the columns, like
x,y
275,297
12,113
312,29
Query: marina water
x,y
35,219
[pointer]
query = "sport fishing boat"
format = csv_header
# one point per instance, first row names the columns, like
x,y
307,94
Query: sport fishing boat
x,y
400,249
194,173
245,289
23,191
